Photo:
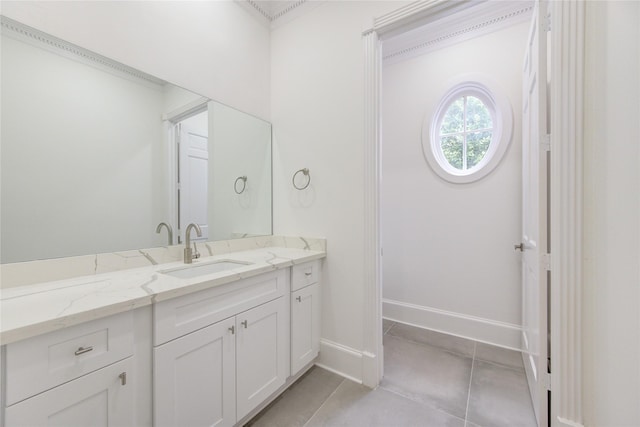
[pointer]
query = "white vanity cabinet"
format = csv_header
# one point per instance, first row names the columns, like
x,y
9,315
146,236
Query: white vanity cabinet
x,y
81,375
305,314
218,372
211,357
194,380
262,346
102,398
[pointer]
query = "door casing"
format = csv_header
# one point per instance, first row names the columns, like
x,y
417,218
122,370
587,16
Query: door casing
x,y
567,72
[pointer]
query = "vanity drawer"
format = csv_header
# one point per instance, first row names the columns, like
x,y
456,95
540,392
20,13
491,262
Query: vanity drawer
x,y
304,274
43,362
182,315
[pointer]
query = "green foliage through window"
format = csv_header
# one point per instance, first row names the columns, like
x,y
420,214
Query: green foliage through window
x,y
465,132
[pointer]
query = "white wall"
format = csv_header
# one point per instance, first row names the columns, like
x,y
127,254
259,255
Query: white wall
x,y
611,269
448,261
318,122
214,48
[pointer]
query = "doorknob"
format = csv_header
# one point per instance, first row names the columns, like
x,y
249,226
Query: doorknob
x,y
519,247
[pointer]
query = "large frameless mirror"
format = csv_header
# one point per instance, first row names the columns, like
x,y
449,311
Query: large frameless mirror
x,y
95,156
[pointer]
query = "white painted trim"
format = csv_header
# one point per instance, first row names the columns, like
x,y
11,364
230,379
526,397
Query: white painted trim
x,y
566,97
190,109
281,13
340,359
271,15
475,328
372,339
568,423
372,292
417,14
24,33
496,18
171,120
172,167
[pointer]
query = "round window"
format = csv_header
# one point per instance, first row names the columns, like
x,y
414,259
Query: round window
x,y
468,133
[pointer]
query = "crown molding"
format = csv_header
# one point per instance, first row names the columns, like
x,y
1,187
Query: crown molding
x,y
276,13
24,33
482,19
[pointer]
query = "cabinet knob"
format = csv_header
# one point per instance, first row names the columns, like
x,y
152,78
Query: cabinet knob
x,y
299,298
232,329
83,350
123,378
307,273
244,323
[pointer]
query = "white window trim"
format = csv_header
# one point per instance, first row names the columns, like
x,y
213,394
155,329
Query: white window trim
x,y
501,114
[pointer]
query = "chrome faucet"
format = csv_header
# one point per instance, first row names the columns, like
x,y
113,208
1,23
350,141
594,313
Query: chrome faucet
x,y
190,254
169,229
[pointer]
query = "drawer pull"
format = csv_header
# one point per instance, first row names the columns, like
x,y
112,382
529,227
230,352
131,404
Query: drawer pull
x,y
232,329
299,298
123,378
244,323
307,273
83,350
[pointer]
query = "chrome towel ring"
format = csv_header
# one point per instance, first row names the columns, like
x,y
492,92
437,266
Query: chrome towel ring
x,y
306,173
244,184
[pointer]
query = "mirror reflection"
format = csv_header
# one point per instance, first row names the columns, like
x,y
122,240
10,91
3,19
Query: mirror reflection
x,y
98,157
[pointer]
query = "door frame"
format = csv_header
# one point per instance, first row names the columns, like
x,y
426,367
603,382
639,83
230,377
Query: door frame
x,y
171,120
566,123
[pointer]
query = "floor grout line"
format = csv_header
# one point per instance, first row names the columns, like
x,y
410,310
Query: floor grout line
x,y
388,329
473,362
397,393
323,403
448,350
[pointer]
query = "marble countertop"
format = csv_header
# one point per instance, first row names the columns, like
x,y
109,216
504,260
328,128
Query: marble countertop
x,y
27,311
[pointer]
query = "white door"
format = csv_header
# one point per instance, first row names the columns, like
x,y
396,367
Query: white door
x,y
262,346
102,398
535,214
305,326
192,180
194,378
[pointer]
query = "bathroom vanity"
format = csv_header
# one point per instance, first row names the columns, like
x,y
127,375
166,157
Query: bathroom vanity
x,y
163,345
99,332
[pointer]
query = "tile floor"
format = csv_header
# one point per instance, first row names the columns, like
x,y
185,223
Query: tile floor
x,y
430,379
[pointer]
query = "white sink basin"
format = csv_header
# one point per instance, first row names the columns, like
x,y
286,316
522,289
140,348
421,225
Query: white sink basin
x,y
196,270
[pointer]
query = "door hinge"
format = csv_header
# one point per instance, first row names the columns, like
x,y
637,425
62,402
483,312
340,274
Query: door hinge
x,y
545,259
546,381
546,25
545,144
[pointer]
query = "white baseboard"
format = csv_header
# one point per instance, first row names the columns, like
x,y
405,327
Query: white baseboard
x,y
340,359
476,328
568,423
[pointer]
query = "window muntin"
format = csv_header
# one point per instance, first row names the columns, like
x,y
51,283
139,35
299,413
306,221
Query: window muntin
x,y
466,132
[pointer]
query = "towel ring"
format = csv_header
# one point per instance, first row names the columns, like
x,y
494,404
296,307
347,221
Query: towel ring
x,y
244,184
306,173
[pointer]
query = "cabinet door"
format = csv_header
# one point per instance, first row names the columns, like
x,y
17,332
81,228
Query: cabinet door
x,y
102,398
194,378
305,326
262,345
